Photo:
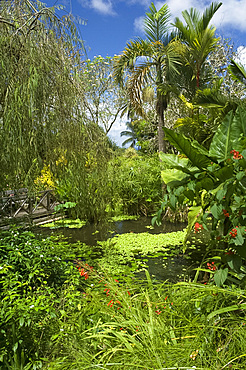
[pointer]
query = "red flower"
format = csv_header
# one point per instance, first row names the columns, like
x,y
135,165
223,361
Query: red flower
x,y
236,154
233,233
198,227
211,266
226,214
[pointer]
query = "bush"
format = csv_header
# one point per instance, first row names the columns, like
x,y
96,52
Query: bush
x,y
33,276
135,184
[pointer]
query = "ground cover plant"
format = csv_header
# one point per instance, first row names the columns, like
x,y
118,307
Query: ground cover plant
x,y
58,313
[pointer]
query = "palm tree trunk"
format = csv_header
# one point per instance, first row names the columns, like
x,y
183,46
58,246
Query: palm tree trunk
x,y
161,106
161,142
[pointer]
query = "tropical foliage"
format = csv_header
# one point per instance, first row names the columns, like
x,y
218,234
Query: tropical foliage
x,y
78,306
154,59
212,182
38,87
199,37
58,315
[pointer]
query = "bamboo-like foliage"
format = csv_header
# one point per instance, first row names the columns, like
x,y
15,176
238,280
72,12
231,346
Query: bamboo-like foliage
x,y
40,93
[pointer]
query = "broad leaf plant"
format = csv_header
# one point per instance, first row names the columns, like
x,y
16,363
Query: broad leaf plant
x,y
212,183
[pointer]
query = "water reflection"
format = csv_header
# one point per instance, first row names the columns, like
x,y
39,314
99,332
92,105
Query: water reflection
x,y
160,268
91,233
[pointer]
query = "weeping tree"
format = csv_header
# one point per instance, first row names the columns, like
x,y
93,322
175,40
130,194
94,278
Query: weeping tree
x,y
40,88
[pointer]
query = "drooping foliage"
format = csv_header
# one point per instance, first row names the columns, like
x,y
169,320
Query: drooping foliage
x,y
39,97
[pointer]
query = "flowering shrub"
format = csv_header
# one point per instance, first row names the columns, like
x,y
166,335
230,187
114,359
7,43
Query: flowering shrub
x,y
212,183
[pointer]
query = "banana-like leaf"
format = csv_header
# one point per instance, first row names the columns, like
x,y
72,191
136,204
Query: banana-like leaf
x,y
174,161
172,175
185,146
228,134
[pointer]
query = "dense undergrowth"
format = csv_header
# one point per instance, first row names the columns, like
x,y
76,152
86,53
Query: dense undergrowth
x,y
59,312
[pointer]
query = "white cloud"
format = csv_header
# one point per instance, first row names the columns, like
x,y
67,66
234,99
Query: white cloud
x,y
241,55
138,25
231,14
114,133
102,6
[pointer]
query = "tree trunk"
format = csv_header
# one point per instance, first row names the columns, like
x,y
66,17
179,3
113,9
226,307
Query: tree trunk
x,y
160,108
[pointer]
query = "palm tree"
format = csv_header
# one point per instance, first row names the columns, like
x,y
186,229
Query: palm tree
x,y
150,62
130,133
198,37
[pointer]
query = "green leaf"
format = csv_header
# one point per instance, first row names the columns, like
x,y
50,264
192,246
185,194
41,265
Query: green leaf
x,y
173,201
21,321
192,217
171,175
234,262
228,135
185,146
220,276
174,161
207,183
239,240
224,173
235,307
216,210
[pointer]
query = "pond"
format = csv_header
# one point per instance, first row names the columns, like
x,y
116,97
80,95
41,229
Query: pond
x,y
161,266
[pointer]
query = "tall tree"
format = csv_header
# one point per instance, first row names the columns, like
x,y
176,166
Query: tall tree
x,y
199,37
150,62
40,59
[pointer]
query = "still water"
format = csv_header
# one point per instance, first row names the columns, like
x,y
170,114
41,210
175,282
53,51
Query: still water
x,y
91,233
161,268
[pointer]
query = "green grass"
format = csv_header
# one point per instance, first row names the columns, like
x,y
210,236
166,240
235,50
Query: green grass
x,y
128,326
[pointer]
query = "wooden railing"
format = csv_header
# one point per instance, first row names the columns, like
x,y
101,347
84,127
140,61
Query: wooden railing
x,y
21,203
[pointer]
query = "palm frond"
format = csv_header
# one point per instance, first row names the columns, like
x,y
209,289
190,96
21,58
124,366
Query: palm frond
x,y
237,72
156,23
127,60
209,13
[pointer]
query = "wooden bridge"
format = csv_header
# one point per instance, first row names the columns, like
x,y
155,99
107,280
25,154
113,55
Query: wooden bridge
x,y
18,205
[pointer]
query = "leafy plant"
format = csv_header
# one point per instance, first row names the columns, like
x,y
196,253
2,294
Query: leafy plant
x,y
212,182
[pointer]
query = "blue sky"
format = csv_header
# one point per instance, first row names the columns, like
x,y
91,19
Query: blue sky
x,y
111,23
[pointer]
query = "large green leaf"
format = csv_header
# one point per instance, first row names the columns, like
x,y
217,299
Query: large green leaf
x,y
174,161
228,134
221,144
220,276
171,175
185,146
